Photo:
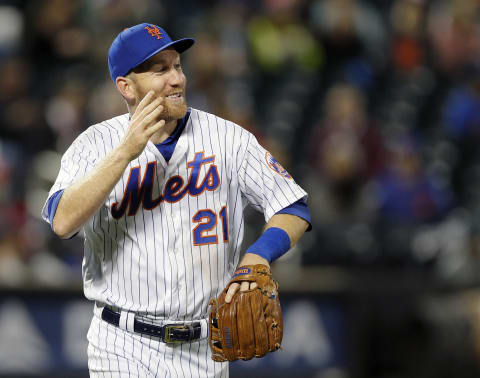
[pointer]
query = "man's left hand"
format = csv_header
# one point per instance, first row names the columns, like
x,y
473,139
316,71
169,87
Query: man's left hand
x,y
248,259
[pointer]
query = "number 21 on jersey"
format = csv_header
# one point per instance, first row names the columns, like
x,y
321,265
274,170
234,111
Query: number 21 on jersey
x,y
207,220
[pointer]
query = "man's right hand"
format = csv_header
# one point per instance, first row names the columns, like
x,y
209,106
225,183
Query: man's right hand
x,y
85,196
143,124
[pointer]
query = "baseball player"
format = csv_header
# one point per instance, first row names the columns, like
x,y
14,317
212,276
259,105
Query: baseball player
x,y
160,192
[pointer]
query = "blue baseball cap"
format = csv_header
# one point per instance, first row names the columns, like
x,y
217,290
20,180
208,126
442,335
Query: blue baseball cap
x,y
138,43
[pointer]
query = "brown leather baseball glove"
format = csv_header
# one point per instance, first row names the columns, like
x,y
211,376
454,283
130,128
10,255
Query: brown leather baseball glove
x,y
251,324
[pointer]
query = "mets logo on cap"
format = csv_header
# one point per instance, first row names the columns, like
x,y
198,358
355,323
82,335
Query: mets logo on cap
x,y
154,31
276,166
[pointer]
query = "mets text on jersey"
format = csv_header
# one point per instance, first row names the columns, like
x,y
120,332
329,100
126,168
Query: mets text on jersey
x,y
136,192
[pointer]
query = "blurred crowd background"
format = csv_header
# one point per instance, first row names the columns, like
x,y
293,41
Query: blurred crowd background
x,y
372,105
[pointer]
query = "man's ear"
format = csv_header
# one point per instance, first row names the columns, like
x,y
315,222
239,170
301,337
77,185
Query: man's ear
x,y
126,87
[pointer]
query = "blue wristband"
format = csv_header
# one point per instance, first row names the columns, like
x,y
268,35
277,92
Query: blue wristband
x,y
271,245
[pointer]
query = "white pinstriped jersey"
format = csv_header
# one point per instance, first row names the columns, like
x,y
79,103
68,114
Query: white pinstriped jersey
x,y
169,235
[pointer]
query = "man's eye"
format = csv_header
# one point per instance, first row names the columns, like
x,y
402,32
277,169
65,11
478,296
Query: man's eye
x,y
178,66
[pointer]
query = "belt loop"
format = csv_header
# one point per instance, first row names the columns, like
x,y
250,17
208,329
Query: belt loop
x,y
127,320
98,308
130,321
204,328
122,324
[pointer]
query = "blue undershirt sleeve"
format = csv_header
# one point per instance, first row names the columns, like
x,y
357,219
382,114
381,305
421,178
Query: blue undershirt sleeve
x,y
300,209
52,207
53,204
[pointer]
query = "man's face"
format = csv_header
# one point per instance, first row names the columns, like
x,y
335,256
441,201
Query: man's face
x,y
163,74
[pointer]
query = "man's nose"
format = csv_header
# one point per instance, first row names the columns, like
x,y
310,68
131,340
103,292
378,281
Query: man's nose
x,y
174,77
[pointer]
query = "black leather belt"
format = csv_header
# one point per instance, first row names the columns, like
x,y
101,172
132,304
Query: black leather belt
x,y
169,333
